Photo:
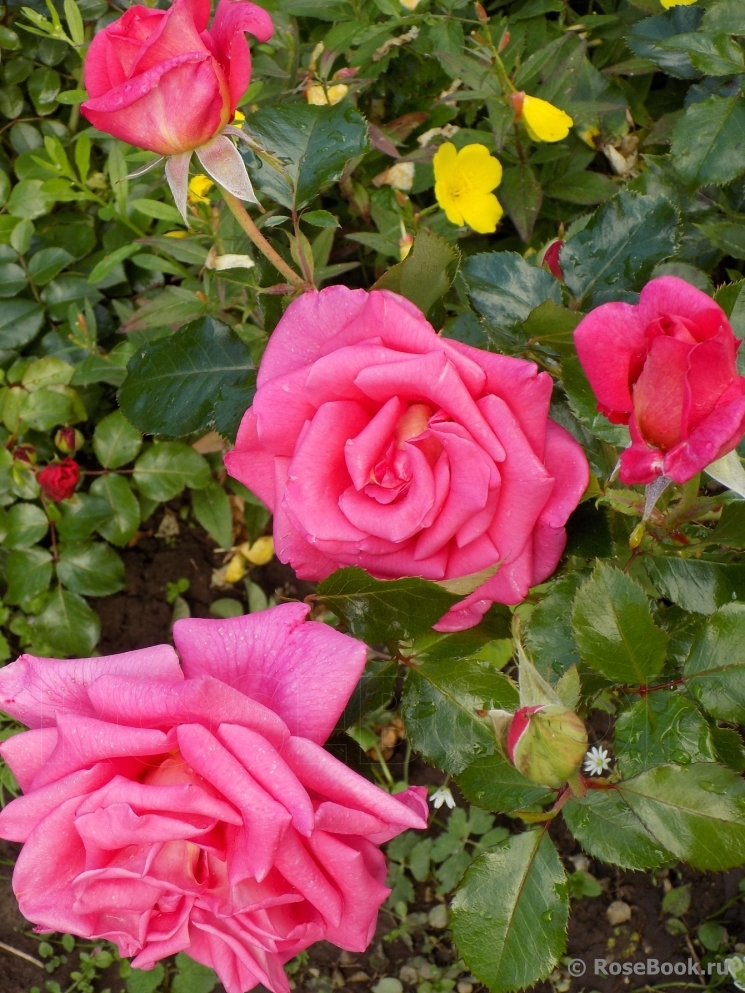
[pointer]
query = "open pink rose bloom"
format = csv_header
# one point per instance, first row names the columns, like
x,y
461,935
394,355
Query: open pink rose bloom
x,y
160,80
378,443
666,367
192,807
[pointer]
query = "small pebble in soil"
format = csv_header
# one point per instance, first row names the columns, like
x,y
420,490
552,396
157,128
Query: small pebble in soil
x,y
359,977
438,916
618,913
464,987
388,984
409,975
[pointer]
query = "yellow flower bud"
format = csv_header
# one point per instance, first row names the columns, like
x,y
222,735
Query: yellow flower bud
x,y
236,569
543,121
463,183
261,552
199,186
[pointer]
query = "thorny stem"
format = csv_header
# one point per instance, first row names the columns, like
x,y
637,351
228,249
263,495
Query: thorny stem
x,y
247,224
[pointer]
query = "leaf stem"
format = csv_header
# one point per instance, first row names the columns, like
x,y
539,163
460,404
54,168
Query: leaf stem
x,y
247,224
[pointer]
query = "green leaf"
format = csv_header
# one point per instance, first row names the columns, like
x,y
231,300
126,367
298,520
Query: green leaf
x,y
67,624
614,630
74,21
548,632
312,143
583,188
109,262
172,383
375,689
495,784
677,901
647,37
90,568
212,509
715,669
509,915
192,977
439,708
427,272
713,55
45,264
379,611
707,141
608,830
726,235
157,210
730,531
28,572
521,195
123,506
725,15
26,524
504,288
231,404
695,584
697,812
145,980
616,252
661,727
163,470
320,219
12,279
27,200
81,516
729,746
20,322
115,441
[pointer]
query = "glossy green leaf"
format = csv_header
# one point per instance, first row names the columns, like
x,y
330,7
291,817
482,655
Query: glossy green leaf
x,y
377,610
614,630
729,747
90,568
521,196
509,915
231,405
697,812
725,15
614,255
312,143
711,54
192,977
647,37
548,632
172,383
730,531
426,273
145,980
163,470
81,516
374,690
608,830
439,708
115,441
26,524
708,140
504,288
67,624
212,509
715,669
44,265
12,279
661,727
20,322
495,784
584,188
123,506
695,584
28,572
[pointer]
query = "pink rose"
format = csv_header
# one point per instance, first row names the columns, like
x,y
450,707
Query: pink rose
x,y
160,80
195,809
379,444
667,368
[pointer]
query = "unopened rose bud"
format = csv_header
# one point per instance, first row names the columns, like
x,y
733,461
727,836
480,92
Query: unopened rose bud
x,y
546,744
551,258
69,440
25,453
58,480
517,100
481,13
505,41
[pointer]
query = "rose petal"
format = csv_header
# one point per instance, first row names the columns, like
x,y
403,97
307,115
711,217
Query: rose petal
x,y
232,19
26,753
617,330
251,463
670,296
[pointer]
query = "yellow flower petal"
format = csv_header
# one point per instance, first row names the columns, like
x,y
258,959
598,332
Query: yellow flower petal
x,y
239,117
337,92
235,569
316,95
543,121
262,551
482,212
199,186
444,160
667,4
483,170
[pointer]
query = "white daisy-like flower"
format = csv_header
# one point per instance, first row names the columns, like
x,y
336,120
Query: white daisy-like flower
x,y
441,796
596,761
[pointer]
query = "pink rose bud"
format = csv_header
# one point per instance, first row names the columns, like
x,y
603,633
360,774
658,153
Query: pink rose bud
x,y
58,481
69,440
162,80
439,459
25,453
666,366
551,258
546,744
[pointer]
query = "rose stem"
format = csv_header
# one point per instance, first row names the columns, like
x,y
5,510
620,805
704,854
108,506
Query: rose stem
x,y
246,222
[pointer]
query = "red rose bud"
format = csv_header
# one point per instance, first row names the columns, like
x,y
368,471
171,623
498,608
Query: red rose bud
x,y
551,258
25,453
58,481
546,744
69,440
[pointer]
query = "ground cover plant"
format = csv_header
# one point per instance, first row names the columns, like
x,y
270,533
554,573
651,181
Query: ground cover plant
x,y
437,305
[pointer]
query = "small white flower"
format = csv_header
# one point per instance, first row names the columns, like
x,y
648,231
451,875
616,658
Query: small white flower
x,y
596,761
440,796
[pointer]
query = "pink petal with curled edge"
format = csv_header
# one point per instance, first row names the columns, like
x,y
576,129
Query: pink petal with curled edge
x,y
362,452
175,35
118,826
611,346
300,869
640,463
463,618
83,741
150,110
565,461
177,176
712,370
714,437
549,543
114,49
271,772
303,670
250,463
182,798
239,962
400,562
348,862
332,377
222,160
291,545
321,772
661,394
669,296
265,821
203,699
26,753
232,20
281,409
97,75
37,690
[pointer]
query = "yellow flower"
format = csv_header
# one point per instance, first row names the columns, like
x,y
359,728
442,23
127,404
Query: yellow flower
x,y
199,186
463,184
410,4
235,570
667,4
319,97
239,117
589,135
261,552
543,121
